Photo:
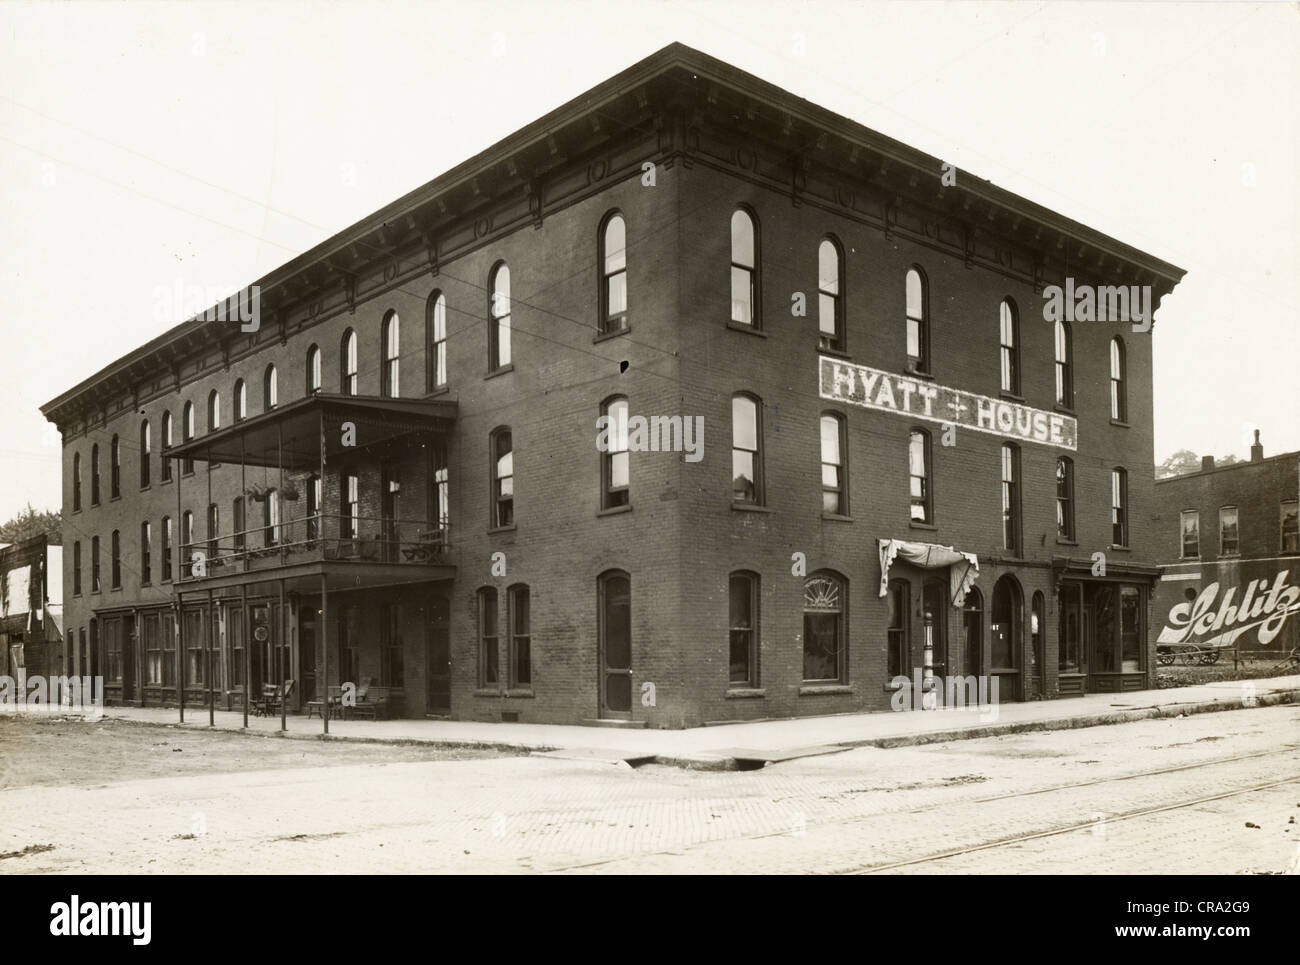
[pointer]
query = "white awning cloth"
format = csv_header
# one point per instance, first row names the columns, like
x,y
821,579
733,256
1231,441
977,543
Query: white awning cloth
x,y
964,568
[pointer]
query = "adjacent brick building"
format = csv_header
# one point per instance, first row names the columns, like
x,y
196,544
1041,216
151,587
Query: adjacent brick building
x,y
1231,551
862,345
31,608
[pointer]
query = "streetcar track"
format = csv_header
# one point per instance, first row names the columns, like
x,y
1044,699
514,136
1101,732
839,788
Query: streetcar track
x,y
1067,829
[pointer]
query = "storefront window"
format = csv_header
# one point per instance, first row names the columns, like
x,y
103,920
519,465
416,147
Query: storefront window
x,y
1071,615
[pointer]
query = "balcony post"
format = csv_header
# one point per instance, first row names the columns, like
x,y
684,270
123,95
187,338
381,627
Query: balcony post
x,y
248,641
280,659
279,493
207,648
322,630
243,557
180,643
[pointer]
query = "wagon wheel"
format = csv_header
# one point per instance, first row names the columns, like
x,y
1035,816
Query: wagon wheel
x,y
1209,656
1164,657
1189,655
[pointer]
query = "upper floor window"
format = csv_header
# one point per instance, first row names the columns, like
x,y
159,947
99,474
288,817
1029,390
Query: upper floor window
x,y
240,523
392,336
1189,525
146,554
348,363
187,433
115,560
499,312
94,474
94,564
214,411
503,478
835,490
271,518
613,273
165,464
742,595
240,401
270,389
1065,498
1009,325
1010,497
76,482
313,369
744,268
830,295
1118,401
918,320
145,450
1064,366
214,529
918,469
1290,526
746,450
166,536
437,321
615,468
1119,507
1229,543
115,467
76,568
351,493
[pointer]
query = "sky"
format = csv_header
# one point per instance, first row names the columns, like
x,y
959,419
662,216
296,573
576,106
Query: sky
x,y
145,145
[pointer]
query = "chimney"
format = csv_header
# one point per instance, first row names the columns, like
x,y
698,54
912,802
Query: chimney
x,y
1207,463
1257,450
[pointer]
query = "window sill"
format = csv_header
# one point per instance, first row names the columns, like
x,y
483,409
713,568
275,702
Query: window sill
x,y
745,693
614,511
520,692
836,518
1189,559
1063,541
484,692
499,371
916,373
115,499
145,489
749,508
1011,396
606,336
1121,549
1065,409
747,329
503,529
929,527
438,390
817,690
837,353
1229,556
1121,423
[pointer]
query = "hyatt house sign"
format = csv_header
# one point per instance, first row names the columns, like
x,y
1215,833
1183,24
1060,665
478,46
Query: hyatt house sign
x,y
922,399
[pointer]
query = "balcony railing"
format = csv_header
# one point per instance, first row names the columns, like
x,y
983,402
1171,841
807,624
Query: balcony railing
x,y
320,537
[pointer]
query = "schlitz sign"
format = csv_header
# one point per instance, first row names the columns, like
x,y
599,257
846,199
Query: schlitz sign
x,y
922,399
1263,608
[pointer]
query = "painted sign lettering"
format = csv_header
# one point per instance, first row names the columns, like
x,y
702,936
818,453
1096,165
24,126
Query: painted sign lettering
x,y
1263,608
921,399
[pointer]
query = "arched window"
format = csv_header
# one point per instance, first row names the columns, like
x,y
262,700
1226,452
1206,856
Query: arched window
x,y
830,295
899,634
489,654
348,363
94,474
436,319
825,628
918,320
145,449
613,274
503,478
392,336
1119,507
116,560
920,490
76,482
743,596
165,464
313,370
214,411
240,401
519,622
835,481
1009,325
499,313
115,468
270,389
1118,400
1004,629
166,548
615,635
615,468
1064,366
1011,497
747,450
973,627
1065,497
187,433
744,268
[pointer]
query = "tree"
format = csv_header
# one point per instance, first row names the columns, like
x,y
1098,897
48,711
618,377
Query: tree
x,y
1181,462
29,522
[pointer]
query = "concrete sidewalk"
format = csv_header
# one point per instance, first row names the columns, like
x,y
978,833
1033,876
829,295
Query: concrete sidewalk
x,y
729,746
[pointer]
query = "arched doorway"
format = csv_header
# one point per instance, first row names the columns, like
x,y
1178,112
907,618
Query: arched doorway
x,y
973,628
1005,636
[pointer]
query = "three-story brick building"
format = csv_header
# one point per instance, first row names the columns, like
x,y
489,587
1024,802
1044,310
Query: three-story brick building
x,y
397,475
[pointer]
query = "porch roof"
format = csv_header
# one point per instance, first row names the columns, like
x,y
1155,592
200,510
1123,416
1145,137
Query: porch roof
x,y
293,435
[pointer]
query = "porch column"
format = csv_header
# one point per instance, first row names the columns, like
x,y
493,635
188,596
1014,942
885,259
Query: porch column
x,y
248,640
280,659
207,655
325,651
